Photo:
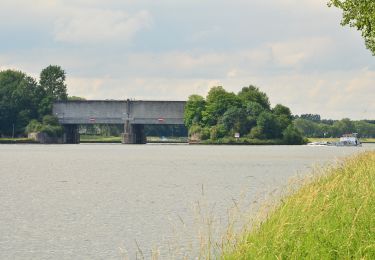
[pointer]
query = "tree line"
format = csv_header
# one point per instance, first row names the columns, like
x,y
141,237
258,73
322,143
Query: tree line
x,y
248,114
25,100
311,125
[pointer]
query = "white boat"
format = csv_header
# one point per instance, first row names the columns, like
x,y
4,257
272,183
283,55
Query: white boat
x,y
349,140
345,140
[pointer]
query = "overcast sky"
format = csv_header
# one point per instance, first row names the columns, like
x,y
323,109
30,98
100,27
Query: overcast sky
x,y
294,50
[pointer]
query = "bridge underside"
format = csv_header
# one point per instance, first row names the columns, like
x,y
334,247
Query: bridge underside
x,y
133,134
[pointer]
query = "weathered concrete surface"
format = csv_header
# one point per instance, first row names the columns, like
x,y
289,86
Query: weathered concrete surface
x,y
117,112
133,114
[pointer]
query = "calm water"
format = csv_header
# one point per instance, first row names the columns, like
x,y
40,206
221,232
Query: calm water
x,y
95,201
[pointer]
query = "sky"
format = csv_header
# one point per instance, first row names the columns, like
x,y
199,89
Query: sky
x,y
294,50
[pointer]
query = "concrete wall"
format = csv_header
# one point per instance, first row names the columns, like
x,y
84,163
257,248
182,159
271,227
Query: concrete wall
x,y
117,112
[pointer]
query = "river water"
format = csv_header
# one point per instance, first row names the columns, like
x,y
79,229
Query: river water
x,y
104,201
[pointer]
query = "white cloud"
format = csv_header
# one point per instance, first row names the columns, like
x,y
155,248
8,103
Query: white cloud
x,y
100,26
295,51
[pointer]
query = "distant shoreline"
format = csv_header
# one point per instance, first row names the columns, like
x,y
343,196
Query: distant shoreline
x,y
117,140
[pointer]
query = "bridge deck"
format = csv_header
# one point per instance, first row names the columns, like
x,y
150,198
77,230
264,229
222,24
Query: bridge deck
x,y
118,112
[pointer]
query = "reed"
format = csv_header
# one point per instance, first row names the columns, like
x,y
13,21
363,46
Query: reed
x,y
330,216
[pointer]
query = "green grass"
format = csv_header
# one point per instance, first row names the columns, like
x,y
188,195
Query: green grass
x,y
243,141
117,139
17,141
99,139
330,217
363,140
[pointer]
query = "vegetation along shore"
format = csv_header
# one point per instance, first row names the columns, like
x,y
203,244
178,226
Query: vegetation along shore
x,y
331,216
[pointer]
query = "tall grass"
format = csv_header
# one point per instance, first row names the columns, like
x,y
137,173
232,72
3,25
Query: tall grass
x,y
332,216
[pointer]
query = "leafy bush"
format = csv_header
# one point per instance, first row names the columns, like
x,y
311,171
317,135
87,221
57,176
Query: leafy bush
x,y
217,131
49,126
33,126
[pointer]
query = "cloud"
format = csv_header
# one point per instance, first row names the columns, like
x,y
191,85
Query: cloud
x,y
100,26
296,51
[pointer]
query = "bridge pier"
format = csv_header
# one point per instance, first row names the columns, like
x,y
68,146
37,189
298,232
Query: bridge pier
x,y
71,134
133,134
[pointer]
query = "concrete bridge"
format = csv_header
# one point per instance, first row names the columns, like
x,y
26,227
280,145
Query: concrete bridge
x,y
133,114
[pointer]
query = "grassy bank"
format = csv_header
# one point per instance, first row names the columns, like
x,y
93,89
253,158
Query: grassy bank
x,y
331,217
117,139
99,139
363,140
243,141
17,141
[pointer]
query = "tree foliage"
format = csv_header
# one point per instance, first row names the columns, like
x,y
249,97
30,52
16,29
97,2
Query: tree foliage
x,y
249,113
359,14
218,102
19,98
23,99
253,94
193,110
52,81
334,128
50,125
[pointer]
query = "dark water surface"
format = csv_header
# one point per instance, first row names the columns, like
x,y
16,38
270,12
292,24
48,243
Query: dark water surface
x,y
95,201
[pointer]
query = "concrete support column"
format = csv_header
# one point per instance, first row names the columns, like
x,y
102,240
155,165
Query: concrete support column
x,y
133,134
127,136
71,134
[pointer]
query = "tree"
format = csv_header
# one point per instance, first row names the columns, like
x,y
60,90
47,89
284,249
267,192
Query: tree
x,y
75,98
253,109
234,120
52,81
284,116
253,94
218,102
292,136
269,125
311,117
19,98
193,110
344,126
359,14
282,110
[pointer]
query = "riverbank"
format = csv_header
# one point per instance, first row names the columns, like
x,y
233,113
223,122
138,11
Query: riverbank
x,y
17,141
245,141
117,139
99,139
331,217
363,140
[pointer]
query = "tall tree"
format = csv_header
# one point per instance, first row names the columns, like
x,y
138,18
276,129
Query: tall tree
x,y
193,110
253,94
359,14
19,98
52,80
218,101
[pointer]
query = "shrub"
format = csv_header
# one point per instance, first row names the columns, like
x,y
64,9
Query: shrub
x,y
49,126
217,131
256,133
33,126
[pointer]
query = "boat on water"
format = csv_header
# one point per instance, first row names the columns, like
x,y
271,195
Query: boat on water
x,y
349,140
345,140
